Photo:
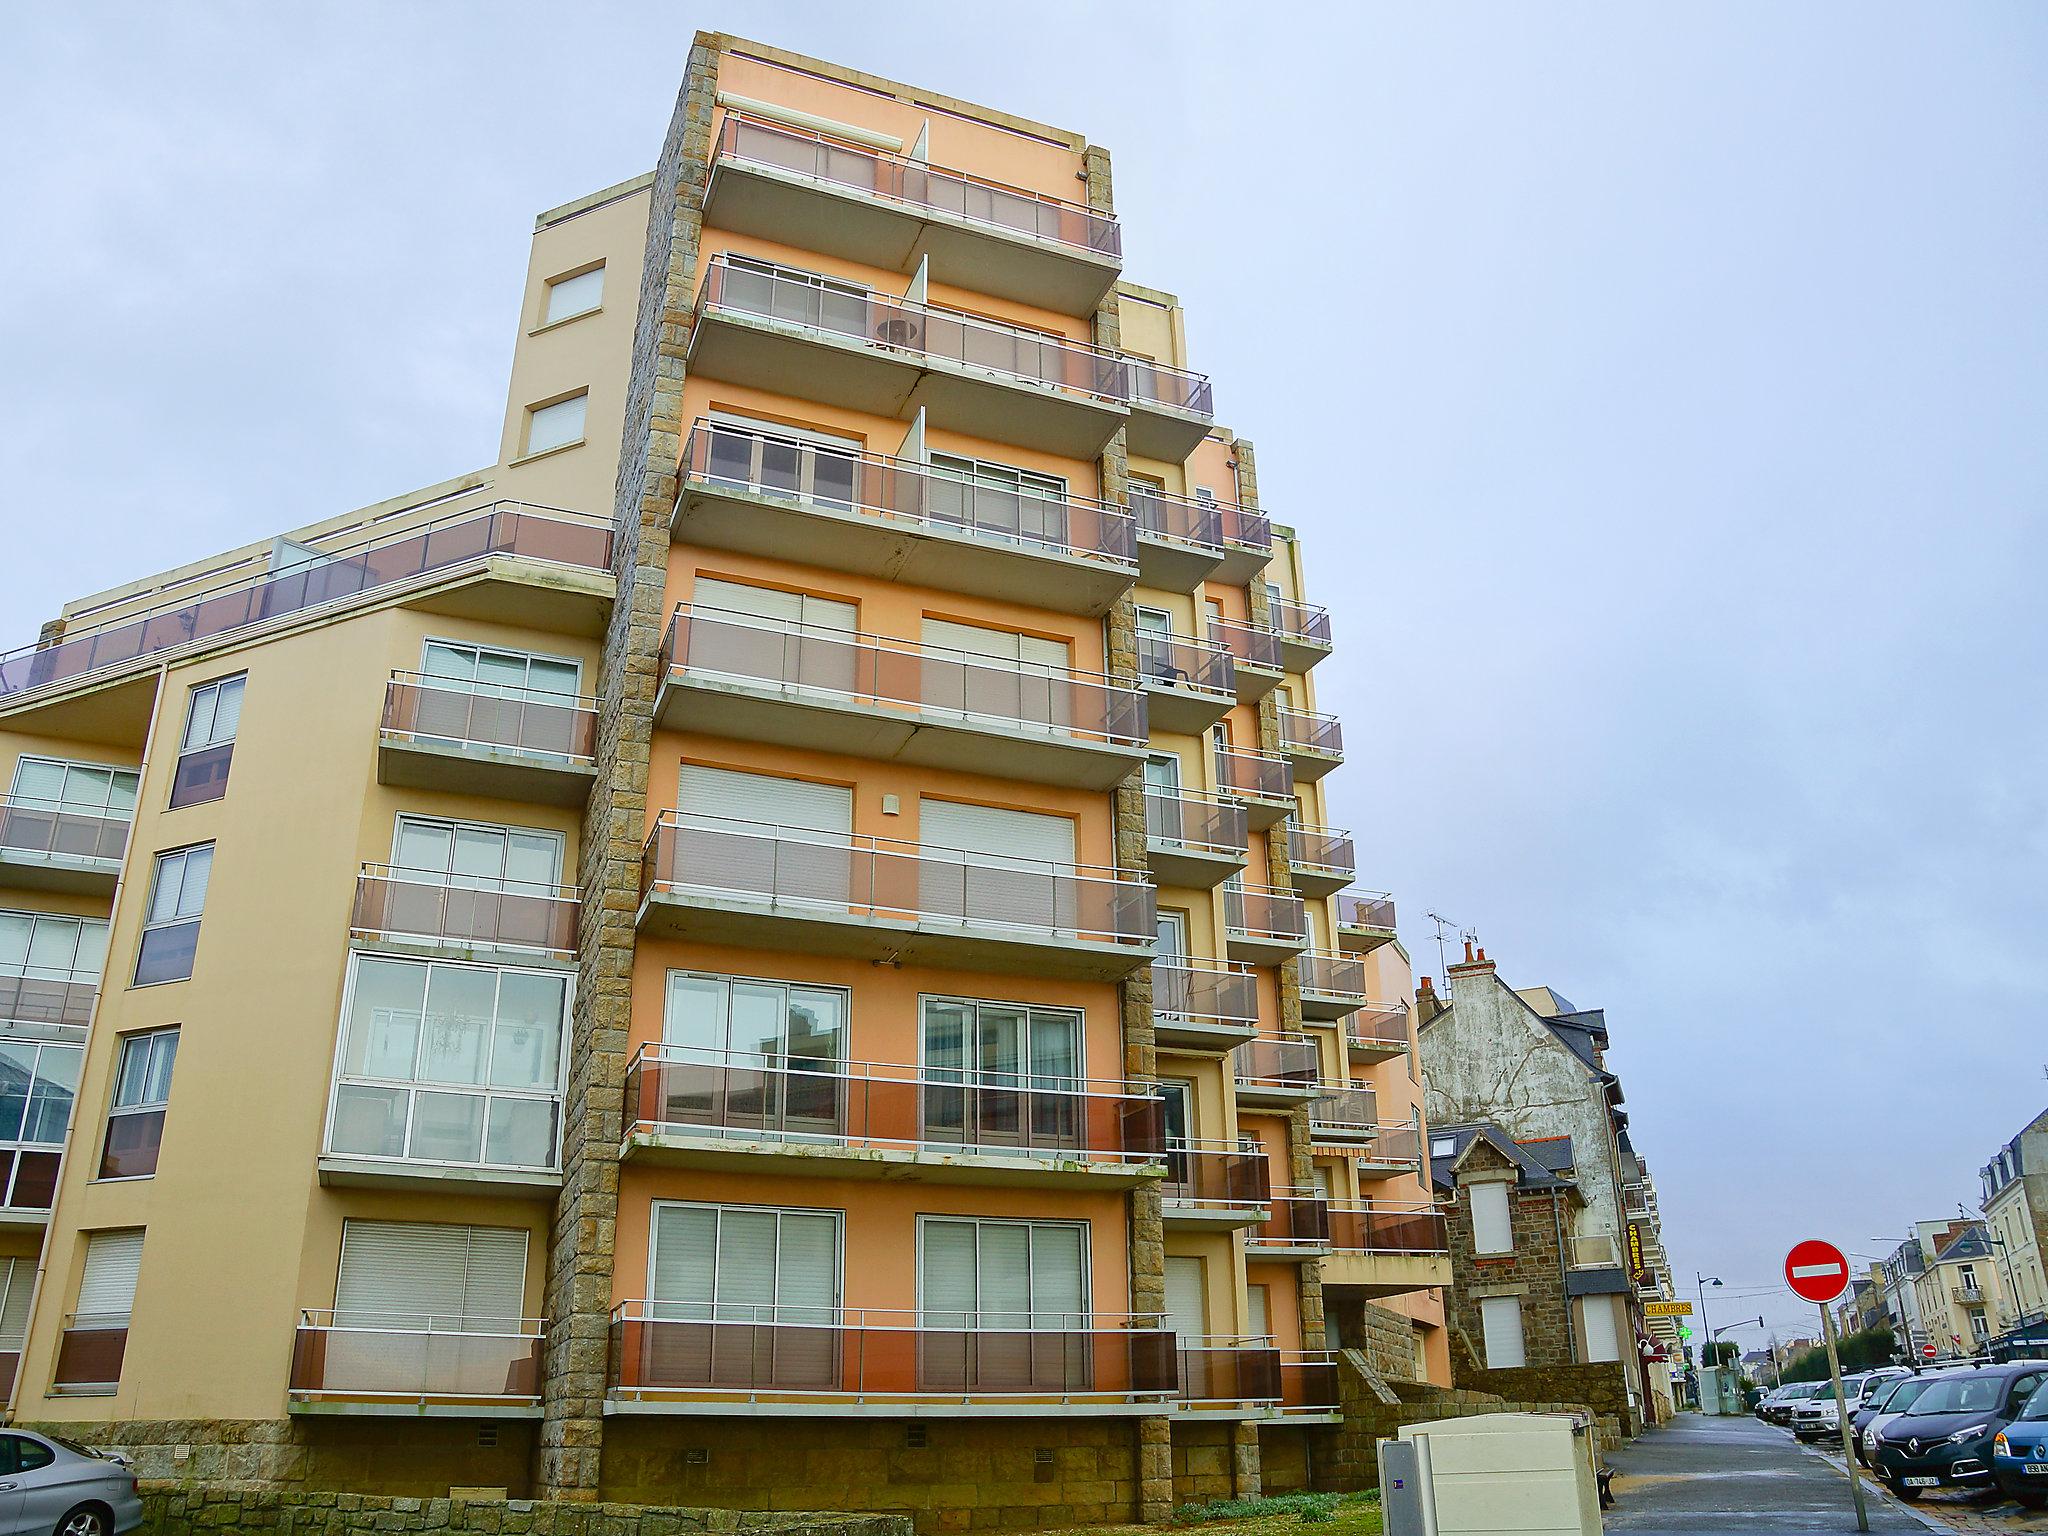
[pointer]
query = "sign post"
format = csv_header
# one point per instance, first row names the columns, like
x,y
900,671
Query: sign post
x,y
1819,1272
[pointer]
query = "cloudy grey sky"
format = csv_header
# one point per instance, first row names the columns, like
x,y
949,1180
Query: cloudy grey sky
x,y
1661,389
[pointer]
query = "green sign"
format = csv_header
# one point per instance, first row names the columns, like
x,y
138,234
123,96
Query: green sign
x,y
1684,1332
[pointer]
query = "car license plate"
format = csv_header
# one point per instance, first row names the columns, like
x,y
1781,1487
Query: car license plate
x,y
2037,1469
1921,1482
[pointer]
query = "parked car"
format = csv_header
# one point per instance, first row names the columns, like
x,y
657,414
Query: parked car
x,y
2019,1452
1819,1416
61,1488
1778,1407
1945,1439
1878,1382
1892,1398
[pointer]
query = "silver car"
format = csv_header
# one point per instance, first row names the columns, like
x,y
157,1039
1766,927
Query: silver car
x,y
54,1488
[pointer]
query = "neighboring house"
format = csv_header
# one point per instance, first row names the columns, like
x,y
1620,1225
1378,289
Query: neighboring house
x,y
1759,1366
2015,1207
1901,1268
1959,1290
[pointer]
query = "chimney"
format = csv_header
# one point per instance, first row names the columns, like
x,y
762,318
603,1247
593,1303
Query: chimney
x,y
1427,1003
1475,963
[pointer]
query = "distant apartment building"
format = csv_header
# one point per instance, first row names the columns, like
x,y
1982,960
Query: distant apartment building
x,y
1958,1290
2015,1206
783,942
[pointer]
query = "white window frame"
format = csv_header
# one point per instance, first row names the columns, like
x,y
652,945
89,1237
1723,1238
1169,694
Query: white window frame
x,y
537,414
558,283
719,1208
454,824
728,981
80,925
975,1075
1085,1228
149,1041
20,1141
114,771
151,923
211,693
491,690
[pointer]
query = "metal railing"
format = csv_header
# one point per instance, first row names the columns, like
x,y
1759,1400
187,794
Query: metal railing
x,y
337,573
1968,1295
1178,389
1593,1250
752,1096
1366,909
1277,1061
1345,1111
416,1357
1308,1381
51,829
725,456
1220,1369
1306,732
1218,1174
918,330
1189,818
861,877
1174,661
1296,1218
1393,1146
1264,912
1324,849
1255,774
899,179
1368,1226
766,1352
903,675
1331,975
1249,645
1309,622
26,999
465,909
1377,1026
1206,991
1181,519
419,707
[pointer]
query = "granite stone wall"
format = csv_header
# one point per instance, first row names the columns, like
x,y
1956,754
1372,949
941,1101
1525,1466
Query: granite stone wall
x,y
191,1509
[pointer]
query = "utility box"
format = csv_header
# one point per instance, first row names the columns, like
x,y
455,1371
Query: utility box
x,y
1493,1473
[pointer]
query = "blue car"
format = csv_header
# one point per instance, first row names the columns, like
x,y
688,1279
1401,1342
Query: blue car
x,y
2019,1453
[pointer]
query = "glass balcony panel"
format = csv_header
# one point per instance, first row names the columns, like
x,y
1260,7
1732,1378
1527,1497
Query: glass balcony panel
x,y
1249,645
1289,1061
1170,661
535,721
1205,989
1369,1227
413,1358
1305,732
29,825
508,914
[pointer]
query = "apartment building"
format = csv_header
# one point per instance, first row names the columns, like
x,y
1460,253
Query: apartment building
x,y
782,944
2015,1206
1959,1291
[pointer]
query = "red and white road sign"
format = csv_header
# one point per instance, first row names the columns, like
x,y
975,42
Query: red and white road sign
x,y
1928,1351
1817,1272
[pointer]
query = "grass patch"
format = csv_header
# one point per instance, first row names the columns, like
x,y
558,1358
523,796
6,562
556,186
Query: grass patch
x,y
1326,1514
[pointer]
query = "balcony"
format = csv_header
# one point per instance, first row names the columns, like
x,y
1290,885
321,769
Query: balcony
x,y
1593,1250
1365,921
1261,780
43,1004
796,333
416,1365
1180,538
1308,1385
1312,744
1277,1071
1320,860
1391,1152
1223,1376
1171,410
1297,1227
1187,683
509,743
825,1118
1383,1250
1331,985
832,690
770,887
1376,1032
534,567
901,519
428,908
722,1359
1967,1295
28,1169
1255,654
89,1352
1193,839
889,211
1344,1114
1203,1005
1304,630
1247,544
1214,1185
48,846
1263,925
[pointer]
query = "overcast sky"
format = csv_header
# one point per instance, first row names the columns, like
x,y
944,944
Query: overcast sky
x,y
1659,391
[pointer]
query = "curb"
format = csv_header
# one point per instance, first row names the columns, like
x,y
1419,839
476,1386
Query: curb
x,y
1875,1489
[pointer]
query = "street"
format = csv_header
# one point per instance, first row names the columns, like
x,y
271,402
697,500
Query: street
x,y
1702,1474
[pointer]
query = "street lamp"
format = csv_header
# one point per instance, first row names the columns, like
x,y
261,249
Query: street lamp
x,y
1704,1281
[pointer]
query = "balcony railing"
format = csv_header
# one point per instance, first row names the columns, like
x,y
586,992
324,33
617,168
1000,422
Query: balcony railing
x,y
1393,1146
89,1353
1308,1381
1180,519
1007,209
1370,1227
875,1106
1301,731
396,903
839,875
45,1002
1299,1218
50,829
1264,912
1351,1113
417,1358
1205,991
421,708
1188,818
1170,661
1215,1174
1331,975
905,493
1254,775
1593,1250
1377,1027
795,1354
1288,1062
1324,850
1370,910
1175,388
872,670
1249,645
908,328
28,1171
1968,1295
1223,1370
341,571
1306,622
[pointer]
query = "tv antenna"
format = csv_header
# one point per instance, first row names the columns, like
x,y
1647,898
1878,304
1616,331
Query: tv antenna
x,y
1444,927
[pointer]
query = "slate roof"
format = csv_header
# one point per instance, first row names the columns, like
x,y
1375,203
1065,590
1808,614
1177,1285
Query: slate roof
x,y
1970,1243
1535,1172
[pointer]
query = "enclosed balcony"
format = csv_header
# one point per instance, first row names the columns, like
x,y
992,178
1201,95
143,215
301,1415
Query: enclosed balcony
x,y
1262,781
1255,654
1224,1376
1203,1005
1277,1071
416,1365
1365,921
1192,838
1376,1032
770,887
46,1004
1304,630
1171,410
841,691
1214,1185
47,845
828,1361
798,333
1344,1114
437,910
787,498
1263,925
471,739
1180,538
1593,1250
1188,683
1383,1249
829,1118
1332,985
1312,744
891,211
1297,1226
1320,860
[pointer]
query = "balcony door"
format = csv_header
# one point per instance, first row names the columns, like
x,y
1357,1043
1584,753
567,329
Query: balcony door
x,y
1155,647
999,500
997,674
1017,1071
475,881
992,865
783,461
1004,1305
791,639
1176,1095
1187,1317
1171,978
483,693
1162,800
742,1298
754,1055
758,835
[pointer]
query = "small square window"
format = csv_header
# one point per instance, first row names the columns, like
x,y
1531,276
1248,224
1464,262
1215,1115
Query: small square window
x,y
556,425
577,294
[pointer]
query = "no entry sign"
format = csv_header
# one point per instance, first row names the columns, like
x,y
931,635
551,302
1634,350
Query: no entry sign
x,y
1928,1351
1817,1272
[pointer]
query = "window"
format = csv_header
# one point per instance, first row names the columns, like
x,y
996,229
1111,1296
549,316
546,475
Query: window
x,y
999,499
806,298
743,1264
447,1063
1187,1300
38,1083
556,425
18,1453
497,673
476,855
142,1090
992,1050
975,1274
170,928
212,714
1500,1319
68,810
1492,1228
106,1294
746,1021
778,460
1442,1146
49,966
576,294
415,1275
